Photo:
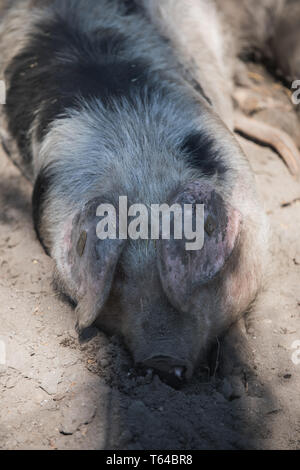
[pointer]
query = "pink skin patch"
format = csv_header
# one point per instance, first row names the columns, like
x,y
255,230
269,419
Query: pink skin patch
x,y
90,263
182,271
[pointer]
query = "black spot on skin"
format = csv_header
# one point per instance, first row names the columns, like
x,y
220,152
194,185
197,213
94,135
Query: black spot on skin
x,y
131,6
201,153
41,188
59,65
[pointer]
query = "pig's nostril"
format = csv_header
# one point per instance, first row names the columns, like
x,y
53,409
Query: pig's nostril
x,y
166,369
175,377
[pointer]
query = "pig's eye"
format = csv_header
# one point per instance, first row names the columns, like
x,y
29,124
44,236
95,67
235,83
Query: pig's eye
x,y
210,225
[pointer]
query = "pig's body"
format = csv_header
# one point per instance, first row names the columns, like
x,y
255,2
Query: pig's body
x,y
113,98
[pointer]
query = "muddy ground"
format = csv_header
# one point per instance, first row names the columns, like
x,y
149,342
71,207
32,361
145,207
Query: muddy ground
x,y
58,394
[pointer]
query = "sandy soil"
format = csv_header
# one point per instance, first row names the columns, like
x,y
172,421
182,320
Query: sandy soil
x,y
58,394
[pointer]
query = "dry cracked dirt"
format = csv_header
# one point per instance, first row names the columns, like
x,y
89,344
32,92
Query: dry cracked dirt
x,y
59,394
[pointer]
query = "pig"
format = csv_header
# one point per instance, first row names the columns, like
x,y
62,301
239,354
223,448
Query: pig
x,y
133,98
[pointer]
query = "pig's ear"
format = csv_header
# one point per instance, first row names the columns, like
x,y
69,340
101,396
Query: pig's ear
x,y
92,264
182,272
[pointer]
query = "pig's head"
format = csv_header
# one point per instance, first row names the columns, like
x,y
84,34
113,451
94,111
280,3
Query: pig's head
x,y
166,302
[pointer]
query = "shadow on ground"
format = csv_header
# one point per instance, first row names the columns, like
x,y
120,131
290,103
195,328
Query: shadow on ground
x,y
211,412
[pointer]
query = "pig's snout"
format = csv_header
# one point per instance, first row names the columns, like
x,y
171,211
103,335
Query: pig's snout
x,y
171,370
